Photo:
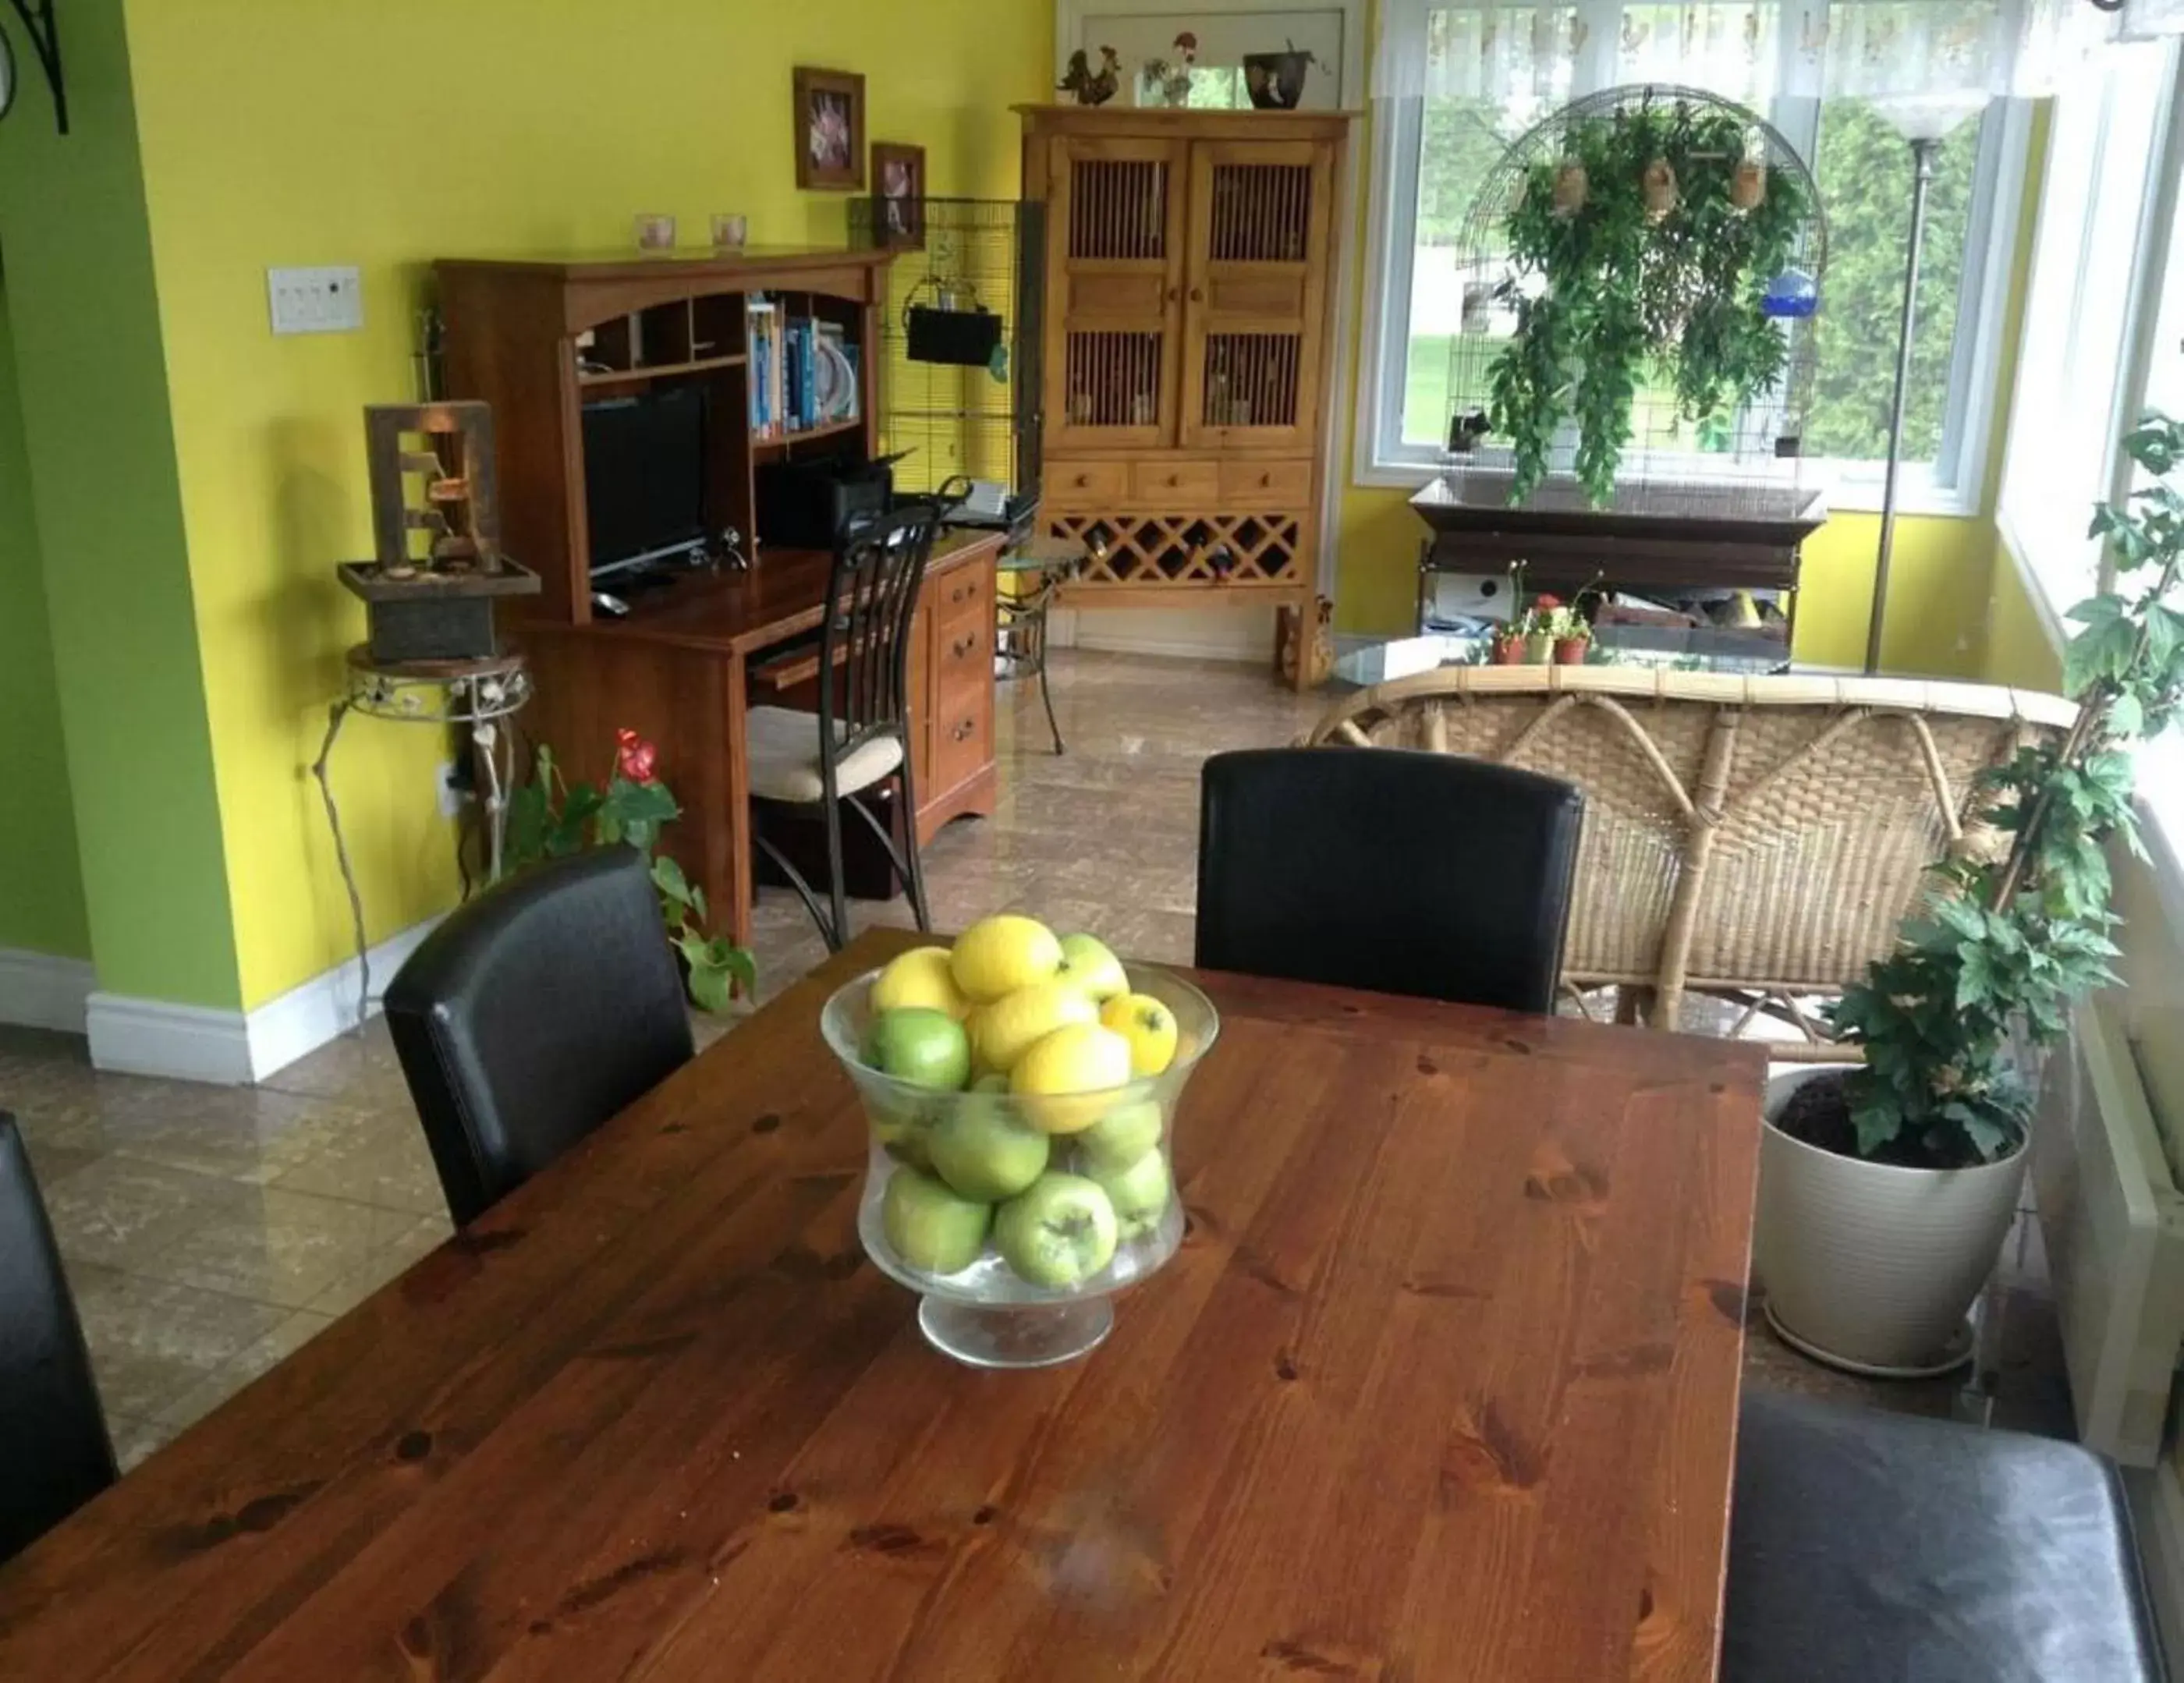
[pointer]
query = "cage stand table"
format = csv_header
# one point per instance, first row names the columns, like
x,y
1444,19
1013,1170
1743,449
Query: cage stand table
x,y
1020,621
476,694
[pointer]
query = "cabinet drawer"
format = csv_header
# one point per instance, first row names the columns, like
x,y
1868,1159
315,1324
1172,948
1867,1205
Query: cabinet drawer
x,y
962,740
1179,480
965,662
963,596
1266,484
1086,484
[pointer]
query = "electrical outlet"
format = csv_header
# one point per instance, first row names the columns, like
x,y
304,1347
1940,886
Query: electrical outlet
x,y
316,300
453,791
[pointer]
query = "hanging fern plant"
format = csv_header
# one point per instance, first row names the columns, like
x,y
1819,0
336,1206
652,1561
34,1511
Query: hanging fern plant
x,y
1641,254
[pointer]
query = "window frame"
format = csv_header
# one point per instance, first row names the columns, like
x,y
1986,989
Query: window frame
x,y
2154,248
1955,484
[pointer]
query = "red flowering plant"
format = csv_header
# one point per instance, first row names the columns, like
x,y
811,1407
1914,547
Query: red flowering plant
x,y
549,817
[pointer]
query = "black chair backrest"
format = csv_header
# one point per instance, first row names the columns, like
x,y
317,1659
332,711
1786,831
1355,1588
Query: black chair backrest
x,y
864,647
1387,869
532,1015
57,1456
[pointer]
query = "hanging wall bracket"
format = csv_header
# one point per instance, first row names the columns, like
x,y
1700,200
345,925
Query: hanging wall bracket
x,y
37,16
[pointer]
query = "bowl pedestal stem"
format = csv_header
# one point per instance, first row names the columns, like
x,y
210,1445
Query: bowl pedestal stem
x,y
1015,1335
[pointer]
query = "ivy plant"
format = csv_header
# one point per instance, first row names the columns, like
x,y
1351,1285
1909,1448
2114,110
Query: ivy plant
x,y
549,817
1634,277
2010,941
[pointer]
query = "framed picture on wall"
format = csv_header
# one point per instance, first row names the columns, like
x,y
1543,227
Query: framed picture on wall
x,y
899,195
830,129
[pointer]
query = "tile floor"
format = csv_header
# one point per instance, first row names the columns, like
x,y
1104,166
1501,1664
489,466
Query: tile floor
x,y
209,1232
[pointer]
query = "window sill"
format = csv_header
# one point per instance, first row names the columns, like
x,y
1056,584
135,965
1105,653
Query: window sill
x,y
1918,494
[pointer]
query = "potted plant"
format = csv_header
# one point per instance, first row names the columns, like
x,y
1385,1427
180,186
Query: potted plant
x,y
548,817
1641,254
1887,1188
1539,622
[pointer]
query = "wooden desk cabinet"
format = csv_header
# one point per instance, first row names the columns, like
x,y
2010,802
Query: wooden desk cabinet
x,y
538,339
685,668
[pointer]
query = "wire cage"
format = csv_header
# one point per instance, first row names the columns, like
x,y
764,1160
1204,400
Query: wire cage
x,y
1735,460
960,339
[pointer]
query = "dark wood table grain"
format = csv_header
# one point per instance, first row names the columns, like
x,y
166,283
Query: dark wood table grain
x,y
1441,1385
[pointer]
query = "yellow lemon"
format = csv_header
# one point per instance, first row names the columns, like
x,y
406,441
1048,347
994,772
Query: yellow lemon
x,y
1081,1059
920,976
997,955
1149,1028
1006,1029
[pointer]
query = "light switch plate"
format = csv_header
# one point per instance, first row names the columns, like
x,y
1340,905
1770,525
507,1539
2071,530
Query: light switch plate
x,y
316,300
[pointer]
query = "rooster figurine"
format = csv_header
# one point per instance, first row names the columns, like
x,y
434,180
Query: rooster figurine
x,y
1090,89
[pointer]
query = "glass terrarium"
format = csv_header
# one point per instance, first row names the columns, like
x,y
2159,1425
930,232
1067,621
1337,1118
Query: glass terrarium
x,y
1017,1216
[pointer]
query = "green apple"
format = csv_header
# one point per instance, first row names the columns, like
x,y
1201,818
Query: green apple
x,y
929,1226
1088,966
1119,1138
1059,1232
1139,1194
921,1045
985,1152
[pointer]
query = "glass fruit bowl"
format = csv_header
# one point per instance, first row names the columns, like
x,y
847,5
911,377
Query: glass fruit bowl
x,y
1017,1215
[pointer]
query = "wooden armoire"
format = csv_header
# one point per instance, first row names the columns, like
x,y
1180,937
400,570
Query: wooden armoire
x,y
1188,336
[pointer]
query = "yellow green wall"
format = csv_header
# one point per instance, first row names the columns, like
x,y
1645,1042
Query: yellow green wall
x,y
99,446
386,135
41,887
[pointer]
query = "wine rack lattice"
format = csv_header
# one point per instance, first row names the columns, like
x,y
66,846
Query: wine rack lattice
x,y
1136,549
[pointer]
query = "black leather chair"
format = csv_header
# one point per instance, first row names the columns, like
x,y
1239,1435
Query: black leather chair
x,y
1866,1547
54,1452
1400,872
531,1016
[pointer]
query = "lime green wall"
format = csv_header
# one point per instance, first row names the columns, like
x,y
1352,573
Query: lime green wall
x,y
387,135
101,453
41,891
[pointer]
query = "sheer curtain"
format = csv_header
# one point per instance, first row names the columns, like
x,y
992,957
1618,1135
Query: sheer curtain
x,y
1928,63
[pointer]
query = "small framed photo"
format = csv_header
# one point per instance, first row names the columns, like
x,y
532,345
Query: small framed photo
x,y
830,130
899,195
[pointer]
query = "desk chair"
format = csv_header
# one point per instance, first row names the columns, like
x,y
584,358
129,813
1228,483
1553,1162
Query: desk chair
x,y
1387,869
860,738
532,1015
57,1455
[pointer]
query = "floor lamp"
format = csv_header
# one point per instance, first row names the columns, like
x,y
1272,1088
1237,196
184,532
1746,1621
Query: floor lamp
x,y
1923,150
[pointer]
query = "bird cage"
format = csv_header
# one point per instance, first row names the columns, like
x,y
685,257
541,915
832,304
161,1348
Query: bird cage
x,y
959,342
1681,237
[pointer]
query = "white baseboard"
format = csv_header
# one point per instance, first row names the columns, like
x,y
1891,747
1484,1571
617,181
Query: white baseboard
x,y
234,1048
38,990
1224,632
181,1042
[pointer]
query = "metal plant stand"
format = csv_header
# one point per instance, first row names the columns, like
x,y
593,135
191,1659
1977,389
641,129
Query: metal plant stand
x,y
1040,566
474,694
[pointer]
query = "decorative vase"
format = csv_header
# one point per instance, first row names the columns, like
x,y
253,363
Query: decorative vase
x,y
1275,81
1539,649
1570,651
1870,1267
982,1310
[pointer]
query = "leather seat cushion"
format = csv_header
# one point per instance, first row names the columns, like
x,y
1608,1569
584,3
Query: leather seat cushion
x,y
1886,1548
784,757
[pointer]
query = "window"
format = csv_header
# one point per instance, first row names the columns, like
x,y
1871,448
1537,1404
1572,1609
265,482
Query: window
x,y
2074,391
1435,151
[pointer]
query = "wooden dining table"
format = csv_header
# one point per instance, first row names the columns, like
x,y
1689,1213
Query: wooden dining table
x,y
1441,1385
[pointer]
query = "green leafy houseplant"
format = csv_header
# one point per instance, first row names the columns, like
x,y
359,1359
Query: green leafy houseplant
x,y
2010,941
549,817
1640,254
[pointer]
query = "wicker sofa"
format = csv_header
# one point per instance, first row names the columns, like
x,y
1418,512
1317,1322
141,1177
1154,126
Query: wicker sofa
x,y
1755,838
